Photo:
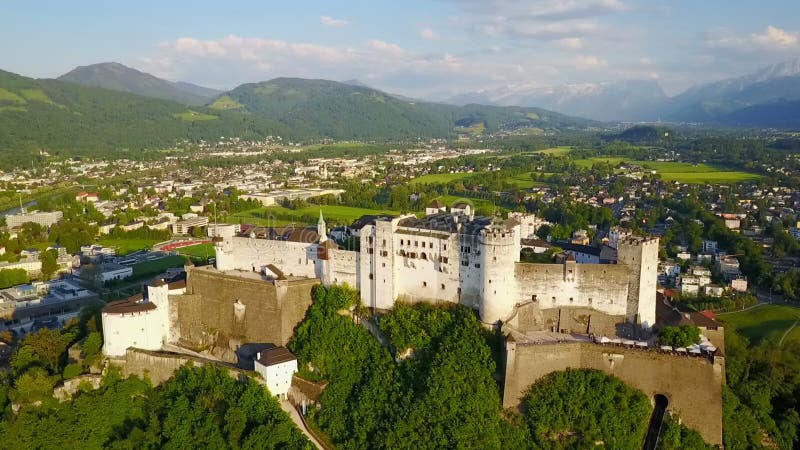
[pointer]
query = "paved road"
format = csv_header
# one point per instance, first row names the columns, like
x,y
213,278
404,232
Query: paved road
x,y
292,411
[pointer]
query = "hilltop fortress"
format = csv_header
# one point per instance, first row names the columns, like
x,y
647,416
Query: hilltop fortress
x,y
555,315
458,257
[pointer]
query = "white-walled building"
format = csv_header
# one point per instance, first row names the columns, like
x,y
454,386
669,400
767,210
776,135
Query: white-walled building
x,y
276,365
141,321
454,258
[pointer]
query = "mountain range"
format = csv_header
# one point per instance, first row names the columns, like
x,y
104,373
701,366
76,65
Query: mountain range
x,y
115,109
734,101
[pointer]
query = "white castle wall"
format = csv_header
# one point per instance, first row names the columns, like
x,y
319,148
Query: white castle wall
x,y
251,254
139,329
479,270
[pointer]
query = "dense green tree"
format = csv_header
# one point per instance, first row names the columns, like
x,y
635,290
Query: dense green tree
x,y
577,408
679,336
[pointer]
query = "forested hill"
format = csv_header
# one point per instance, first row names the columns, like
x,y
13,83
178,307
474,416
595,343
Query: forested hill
x,y
345,111
117,77
61,117
66,118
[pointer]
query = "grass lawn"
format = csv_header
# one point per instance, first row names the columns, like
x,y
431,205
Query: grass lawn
x,y
226,102
194,116
157,266
768,322
198,251
562,150
487,205
125,246
279,216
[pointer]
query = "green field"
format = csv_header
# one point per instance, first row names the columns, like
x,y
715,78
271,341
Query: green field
x,y
768,322
486,205
280,216
678,171
157,266
194,116
125,246
198,251
562,150
225,102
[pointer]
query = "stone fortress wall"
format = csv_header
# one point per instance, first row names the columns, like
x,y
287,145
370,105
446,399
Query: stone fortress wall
x,y
692,385
220,312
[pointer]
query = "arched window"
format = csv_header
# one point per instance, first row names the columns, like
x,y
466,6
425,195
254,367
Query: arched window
x,y
423,256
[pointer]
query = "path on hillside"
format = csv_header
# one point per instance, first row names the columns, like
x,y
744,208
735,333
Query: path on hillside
x,y
295,416
757,305
780,343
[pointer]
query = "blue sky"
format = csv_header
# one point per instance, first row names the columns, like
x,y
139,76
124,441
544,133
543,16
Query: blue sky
x,y
431,49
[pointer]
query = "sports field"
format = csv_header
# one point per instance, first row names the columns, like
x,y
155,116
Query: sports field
x,y
198,251
678,171
768,322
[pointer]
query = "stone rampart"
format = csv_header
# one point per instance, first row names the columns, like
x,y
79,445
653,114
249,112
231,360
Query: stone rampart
x,y
692,384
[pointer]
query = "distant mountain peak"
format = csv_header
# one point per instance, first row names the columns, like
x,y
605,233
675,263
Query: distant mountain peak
x,y
119,77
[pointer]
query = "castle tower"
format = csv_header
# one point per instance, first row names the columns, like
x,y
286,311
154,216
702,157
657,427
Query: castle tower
x,y
499,252
322,229
641,256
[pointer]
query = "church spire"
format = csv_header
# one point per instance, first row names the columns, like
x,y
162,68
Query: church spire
x,y
322,229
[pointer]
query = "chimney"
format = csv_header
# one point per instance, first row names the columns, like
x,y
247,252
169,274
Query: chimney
x,y
258,356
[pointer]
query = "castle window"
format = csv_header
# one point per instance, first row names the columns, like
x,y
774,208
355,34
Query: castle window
x,y
370,251
424,284
442,286
494,258
371,276
423,256
444,247
465,263
402,252
384,242
401,242
369,239
444,259
533,297
571,299
590,300
416,243
477,266
383,264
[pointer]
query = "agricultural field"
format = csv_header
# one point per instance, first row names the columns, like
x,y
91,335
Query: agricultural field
x,y
768,322
125,246
678,171
226,102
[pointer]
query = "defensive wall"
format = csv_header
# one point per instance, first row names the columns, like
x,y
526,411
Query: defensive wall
x,y
692,384
220,311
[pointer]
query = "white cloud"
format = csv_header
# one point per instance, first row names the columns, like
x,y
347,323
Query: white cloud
x,y
583,62
775,37
570,43
771,39
428,33
329,21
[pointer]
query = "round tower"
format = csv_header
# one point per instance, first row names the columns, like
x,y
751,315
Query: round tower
x,y
499,252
